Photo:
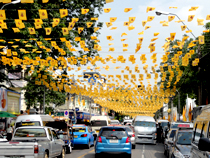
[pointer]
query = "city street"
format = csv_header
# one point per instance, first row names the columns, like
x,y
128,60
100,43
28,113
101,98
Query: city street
x,y
141,151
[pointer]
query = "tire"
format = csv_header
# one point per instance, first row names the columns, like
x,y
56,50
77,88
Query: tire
x,y
133,146
88,145
68,149
97,155
45,155
62,155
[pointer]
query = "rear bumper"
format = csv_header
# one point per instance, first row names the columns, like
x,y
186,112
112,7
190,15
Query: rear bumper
x,y
81,141
101,149
145,139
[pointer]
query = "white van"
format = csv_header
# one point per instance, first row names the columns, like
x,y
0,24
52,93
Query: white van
x,y
145,129
33,120
97,122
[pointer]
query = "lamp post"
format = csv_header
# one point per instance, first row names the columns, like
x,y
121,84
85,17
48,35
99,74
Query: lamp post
x,y
13,2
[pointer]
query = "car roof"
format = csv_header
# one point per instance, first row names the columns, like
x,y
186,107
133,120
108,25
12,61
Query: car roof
x,y
34,127
113,127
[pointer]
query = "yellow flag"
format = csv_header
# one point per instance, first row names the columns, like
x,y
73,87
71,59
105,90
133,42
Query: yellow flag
x,y
113,28
43,14
71,25
2,15
85,11
107,10
183,27
80,29
156,33
150,9
65,31
147,27
63,12
38,21
150,18
108,24
173,7
94,19
190,18
48,31
208,17
127,9
27,1
201,39
96,29
16,30
89,24
141,39
109,38
132,19
109,1
144,23
55,22
126,24
172,36
170,18
74,20
141,33
31,30
123,34
77,38
124,50
45,1
22,14
113,19
193,8
125,45
131,27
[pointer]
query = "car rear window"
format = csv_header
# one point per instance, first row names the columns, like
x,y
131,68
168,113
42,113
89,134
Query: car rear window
x,y
113,132
30,132
172,133
184,138
79,129
99,123
62,136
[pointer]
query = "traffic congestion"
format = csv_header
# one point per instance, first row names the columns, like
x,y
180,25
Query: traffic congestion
x,y
142,136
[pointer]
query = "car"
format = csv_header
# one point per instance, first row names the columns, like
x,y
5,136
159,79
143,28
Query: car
x,y
181,143
131,133
113,139
168,140
114,122
83,135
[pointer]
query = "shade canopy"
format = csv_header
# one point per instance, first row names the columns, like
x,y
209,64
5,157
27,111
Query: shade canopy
x,y
6,114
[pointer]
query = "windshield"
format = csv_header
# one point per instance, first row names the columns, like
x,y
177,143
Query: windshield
x,y
172,133
117,133
63,136
163,124
145,124
79,129
30,132
31,123
99,123
184,138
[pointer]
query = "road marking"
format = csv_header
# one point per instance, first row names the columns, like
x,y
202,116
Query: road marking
x,y
143,152
85,154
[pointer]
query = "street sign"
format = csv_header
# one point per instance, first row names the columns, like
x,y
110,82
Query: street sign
x,y
66,113
76,109
92,80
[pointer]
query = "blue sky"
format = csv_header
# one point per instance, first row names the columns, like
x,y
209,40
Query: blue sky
x,y
139,11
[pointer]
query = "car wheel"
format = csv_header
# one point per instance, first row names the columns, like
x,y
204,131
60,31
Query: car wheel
x,y
68,149
97,155
45,155
62,155
88,145
133,146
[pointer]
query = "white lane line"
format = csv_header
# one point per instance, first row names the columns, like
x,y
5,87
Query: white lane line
x,y
143,152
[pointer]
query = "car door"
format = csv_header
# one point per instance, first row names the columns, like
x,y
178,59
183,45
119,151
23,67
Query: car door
x,y
195,152
51,151
57,147
91,135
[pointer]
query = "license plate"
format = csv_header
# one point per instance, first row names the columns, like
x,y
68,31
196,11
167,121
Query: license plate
x,y
113,141
75,136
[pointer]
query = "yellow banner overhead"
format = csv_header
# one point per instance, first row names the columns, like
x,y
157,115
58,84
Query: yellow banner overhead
x,y
201,40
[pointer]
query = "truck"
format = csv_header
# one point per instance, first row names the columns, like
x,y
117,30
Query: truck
x,y
33,142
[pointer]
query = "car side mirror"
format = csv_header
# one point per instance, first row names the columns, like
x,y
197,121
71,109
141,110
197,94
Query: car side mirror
x,y
203,144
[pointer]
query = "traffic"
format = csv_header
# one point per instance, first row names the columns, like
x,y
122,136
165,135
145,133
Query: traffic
x,y
42,136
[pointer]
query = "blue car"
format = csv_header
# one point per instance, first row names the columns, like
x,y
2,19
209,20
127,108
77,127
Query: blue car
x,y
113,139
83,135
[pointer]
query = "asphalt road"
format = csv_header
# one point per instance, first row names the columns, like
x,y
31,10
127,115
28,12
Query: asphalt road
x,y
141,151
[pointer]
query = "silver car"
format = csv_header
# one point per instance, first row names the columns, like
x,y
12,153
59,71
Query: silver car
x,y
131,134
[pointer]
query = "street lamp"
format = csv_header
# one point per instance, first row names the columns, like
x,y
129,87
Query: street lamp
x,y
167,13
13,2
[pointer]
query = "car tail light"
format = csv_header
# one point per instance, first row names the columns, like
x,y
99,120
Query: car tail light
x,y
133,135
36,149
66,141
127,140
99,139
84,135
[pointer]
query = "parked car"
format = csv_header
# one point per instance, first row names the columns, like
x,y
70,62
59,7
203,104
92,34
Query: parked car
x,y
34,142
145,129
168,141
83,135
201,135
181,143
113,139
131,134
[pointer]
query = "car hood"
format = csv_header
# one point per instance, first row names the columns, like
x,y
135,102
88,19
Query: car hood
x,y
145,130
184,149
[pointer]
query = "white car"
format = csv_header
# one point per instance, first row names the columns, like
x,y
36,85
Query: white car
x,y
131,134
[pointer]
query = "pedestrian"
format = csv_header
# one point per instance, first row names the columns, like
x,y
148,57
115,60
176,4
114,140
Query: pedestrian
x,y
159,133
9,132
